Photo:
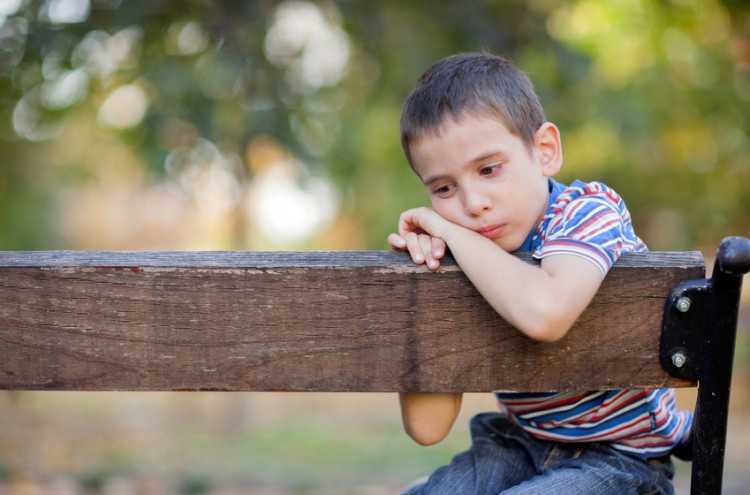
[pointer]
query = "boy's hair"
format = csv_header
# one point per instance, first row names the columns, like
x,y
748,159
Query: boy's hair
x,y
479,83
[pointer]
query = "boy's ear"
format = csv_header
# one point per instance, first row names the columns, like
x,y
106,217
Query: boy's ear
x,y
549,146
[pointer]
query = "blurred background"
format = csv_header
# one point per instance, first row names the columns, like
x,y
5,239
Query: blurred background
x,y
268,125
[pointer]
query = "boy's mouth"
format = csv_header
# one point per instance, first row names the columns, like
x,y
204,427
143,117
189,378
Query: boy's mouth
x,y
492,231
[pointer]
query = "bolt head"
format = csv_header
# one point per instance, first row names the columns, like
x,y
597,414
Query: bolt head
x,y
683,304
678,359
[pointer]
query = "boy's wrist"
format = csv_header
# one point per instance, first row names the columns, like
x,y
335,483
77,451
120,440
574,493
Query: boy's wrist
x,y
455,233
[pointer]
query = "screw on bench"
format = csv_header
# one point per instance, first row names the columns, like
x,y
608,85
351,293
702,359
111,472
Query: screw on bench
x,y
678,359
683,304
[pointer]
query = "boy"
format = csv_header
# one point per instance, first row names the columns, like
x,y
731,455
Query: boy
x,y
474,132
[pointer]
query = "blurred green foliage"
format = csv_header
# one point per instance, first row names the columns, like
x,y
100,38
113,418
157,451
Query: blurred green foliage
x,y
651,96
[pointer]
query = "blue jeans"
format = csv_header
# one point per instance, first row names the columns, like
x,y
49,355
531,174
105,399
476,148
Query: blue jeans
x,y
505,459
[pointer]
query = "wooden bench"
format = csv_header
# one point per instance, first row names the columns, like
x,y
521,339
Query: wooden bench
x,y
361,321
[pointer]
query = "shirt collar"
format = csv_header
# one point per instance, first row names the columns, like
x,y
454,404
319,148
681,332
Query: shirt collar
x,y
555,188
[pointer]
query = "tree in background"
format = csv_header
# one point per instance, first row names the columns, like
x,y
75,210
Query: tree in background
x,y
274,125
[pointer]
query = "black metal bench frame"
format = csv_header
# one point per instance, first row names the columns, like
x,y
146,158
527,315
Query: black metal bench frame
x,y
699,332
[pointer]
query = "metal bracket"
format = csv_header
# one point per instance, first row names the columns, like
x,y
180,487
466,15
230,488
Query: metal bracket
x,y
683,328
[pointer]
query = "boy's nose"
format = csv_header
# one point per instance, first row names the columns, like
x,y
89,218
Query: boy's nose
x,y
476,203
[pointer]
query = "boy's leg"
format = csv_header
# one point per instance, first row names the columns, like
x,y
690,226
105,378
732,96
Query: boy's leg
x,y
505,459
595,469
501,456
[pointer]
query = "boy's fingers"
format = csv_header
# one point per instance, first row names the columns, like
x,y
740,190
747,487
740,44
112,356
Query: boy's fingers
x,y
438,248
414,247
396,242
412,237
426,242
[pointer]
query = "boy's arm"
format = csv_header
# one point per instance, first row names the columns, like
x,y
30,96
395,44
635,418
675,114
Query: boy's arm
x,y
543,302
428,417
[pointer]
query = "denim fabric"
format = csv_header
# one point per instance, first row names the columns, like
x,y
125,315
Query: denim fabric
x,y
505,459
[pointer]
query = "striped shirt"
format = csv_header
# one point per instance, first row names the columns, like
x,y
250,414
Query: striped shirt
x,y
591,221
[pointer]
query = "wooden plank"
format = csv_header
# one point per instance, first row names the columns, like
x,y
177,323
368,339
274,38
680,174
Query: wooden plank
x,y
310,321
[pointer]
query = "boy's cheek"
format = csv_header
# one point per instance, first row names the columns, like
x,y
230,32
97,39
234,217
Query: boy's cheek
x,y
438,208
446,213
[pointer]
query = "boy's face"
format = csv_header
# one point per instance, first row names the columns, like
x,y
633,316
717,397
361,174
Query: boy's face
x,y
481,176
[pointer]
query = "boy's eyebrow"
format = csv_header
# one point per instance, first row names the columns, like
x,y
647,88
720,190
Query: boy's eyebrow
x,y
481,158
433,179
486,156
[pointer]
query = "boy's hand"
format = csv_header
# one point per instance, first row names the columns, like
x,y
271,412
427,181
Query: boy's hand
x,y
419,232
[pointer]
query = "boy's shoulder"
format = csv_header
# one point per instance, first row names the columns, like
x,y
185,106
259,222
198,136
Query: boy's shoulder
x,y
585,203
589,220
579,191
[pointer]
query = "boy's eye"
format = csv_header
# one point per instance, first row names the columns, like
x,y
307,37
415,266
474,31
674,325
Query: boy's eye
x,y
442,190
488,169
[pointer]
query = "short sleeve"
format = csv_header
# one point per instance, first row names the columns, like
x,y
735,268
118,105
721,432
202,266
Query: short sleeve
x,y
590,222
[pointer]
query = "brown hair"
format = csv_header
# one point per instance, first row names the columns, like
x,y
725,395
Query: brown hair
x,y
471,82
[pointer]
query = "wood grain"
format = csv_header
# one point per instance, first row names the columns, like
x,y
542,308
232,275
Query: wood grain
x,y
310,321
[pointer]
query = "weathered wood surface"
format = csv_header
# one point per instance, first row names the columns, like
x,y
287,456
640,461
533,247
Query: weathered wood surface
x,y
310,321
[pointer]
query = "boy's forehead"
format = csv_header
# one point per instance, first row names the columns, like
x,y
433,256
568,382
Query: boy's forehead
x,y
463,140
464,123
